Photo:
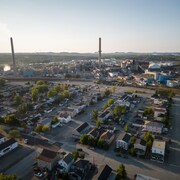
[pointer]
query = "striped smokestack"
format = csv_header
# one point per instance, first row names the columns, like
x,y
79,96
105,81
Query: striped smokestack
x,y
13,56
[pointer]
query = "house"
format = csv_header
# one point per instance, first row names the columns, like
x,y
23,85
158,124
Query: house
x,y
154,127
124,141
104,173
140,146
158,150
104,116
71,111
158,112
94,133
48,159
79,169
45,122
66,163
84,128
64,118
2,138
8,146
107,137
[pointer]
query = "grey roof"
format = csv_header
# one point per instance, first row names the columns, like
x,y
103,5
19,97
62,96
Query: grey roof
x,y
157,124
82,127
7,143
141,141
68,158
81,163
105,173
126,137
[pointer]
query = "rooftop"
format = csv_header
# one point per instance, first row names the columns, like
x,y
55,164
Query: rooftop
x,y
7,143
47,155
82,127
68,158
159,144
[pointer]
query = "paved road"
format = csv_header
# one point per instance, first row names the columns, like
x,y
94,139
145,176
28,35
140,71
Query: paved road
x,y
23,167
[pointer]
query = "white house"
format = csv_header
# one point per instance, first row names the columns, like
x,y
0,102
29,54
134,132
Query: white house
x,y
8,146
124,141
64,118
66,163
158,112
140,146
2,139
158,150
154,127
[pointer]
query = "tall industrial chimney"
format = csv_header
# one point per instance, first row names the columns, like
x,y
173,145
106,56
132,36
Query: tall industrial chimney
x,y
99,57
13,56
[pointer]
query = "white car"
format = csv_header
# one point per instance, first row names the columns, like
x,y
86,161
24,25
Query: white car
x,y
38,174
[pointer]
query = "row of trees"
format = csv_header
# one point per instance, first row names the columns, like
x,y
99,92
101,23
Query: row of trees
x,y
41,128
95,142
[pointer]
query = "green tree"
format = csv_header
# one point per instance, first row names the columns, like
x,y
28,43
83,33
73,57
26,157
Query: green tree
x,y
51,93
121,172
66,94
149,139
22,108
126,128
98,123
84,139
11,120
110,102
133,139
34,94
17,100
95,114
40,82
75,154
2,82
38,128
45,129
107,92
8,177
14,134
105,107
113,89
165,121
117,111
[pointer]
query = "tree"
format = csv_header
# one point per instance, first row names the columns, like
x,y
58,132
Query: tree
x,y
165,121
8,177
11,120
117,111
34,94
17,100
51,93
45,129
40,82
66,94
126,128
105,107
121,172
2,82
84,139
149,139
110,102
75,154
95,114
107,92
38,128
113,89
14,134
22,109
98,123
133,139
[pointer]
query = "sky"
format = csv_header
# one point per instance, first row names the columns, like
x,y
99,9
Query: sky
x,y
76,25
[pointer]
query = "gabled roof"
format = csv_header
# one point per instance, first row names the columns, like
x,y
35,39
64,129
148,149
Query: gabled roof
x,y
106,135
47,155
7,143
81,163
126,137
141,142
68,158
94,132
105,173
82,127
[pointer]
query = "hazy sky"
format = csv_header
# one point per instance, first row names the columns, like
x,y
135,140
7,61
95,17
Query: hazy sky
x,y
75,25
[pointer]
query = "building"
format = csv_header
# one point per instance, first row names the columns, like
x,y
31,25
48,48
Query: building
x,y
154,127
140,146
159,113
8,146
158,150
143,177
104,116
70,111
107,137
45,122
79,169
64,118
2,139
48,159
66,163
124,141
104,173
84,128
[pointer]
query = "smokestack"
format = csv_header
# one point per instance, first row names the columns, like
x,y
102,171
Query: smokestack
x,y
99,57
13,56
